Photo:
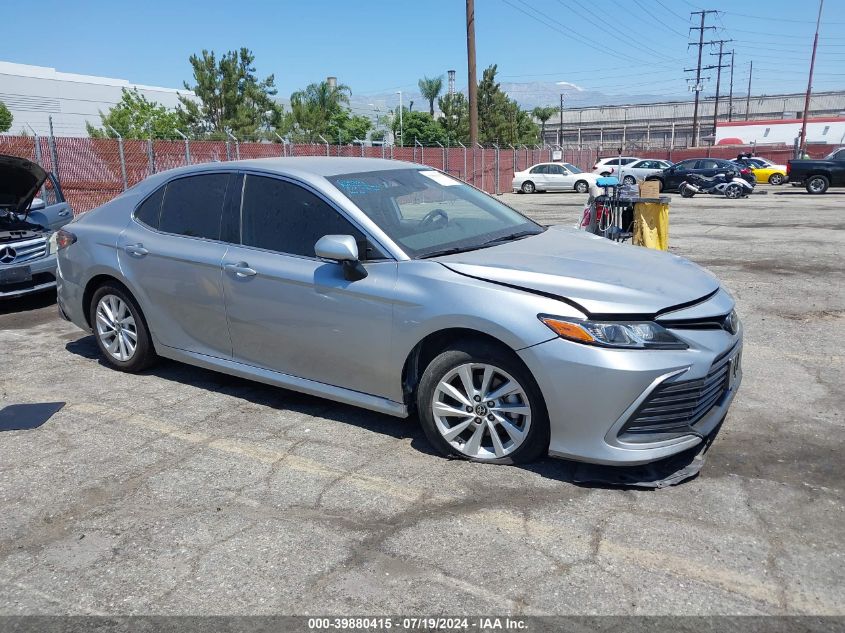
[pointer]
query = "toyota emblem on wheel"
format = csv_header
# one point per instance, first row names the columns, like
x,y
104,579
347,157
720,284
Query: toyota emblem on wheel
x,y
7,255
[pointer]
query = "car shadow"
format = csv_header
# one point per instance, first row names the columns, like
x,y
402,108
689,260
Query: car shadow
x,y
803,192
670,471
28,302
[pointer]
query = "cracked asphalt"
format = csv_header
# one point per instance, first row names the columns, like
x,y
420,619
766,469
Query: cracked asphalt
x,y
184,491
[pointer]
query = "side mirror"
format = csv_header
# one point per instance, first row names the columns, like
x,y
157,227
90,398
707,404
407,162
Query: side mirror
x,y
341,249
37,204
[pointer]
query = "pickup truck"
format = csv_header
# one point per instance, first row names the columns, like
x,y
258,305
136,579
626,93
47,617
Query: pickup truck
x,y
818,175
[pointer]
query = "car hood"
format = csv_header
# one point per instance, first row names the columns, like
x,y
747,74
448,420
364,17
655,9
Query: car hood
x,y
20,180
599,276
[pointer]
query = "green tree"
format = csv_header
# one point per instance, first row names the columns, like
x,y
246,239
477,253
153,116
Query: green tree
x,y
348,127
136,117
500,119
6,118
455,119
419,126
543,114
315,111
229,96
430,88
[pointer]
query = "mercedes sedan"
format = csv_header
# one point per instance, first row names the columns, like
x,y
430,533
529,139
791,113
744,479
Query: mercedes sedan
x,y
394,287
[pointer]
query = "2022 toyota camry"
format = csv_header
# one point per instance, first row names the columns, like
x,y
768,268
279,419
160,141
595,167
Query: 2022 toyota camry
x,y
394,287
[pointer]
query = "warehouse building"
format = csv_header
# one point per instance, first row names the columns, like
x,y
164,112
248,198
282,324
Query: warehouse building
x,y
34,94
669,124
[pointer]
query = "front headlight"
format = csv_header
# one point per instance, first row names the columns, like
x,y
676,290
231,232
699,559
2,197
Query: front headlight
x,y
621,334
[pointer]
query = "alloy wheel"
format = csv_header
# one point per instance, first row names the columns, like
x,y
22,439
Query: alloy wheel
x,y
816,185
629,180
116,328
582,187
775,179
481,411
733,191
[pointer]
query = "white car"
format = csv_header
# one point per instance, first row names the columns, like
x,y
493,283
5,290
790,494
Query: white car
x,y
610,166
641,169
553,177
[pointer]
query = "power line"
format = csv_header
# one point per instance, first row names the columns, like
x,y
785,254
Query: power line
x,y
697,87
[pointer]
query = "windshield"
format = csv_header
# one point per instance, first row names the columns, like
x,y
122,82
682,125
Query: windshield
x,y
428,213
572,168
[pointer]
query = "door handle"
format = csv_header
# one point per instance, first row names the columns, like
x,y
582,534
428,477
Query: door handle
x,y
137,250
241,269
64,213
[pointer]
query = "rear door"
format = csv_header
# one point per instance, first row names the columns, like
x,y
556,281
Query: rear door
x,y
539,176
293,313
171,253
556,178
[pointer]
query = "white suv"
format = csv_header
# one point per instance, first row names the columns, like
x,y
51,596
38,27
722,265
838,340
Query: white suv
x,y
610,166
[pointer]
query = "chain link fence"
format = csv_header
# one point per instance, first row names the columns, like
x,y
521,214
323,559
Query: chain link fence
x,y
93,171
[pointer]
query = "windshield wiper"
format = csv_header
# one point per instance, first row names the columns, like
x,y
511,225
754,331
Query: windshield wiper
x,y
448,251
511,237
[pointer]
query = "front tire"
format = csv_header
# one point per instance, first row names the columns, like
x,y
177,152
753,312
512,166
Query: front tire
x,y
776,179
120,329
479,402
582,186
817,184
629,180
528,187
686,192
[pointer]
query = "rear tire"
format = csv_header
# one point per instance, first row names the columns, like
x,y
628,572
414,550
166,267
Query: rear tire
x,y
582,186
776,179
508,427
817,184
685,191
120,329
733,191
528,187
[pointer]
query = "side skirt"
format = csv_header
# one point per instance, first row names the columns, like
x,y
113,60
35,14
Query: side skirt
x,y
278,379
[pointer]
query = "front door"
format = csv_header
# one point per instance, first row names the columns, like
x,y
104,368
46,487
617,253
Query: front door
x,y
293,313
171,254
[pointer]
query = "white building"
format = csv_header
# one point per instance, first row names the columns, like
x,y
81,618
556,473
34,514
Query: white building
x,y
829,130
35,93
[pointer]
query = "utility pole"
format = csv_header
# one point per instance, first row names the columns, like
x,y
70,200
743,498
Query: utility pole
x,y
803,140
697,86
719,67
731,93
748,96
560,129
473,85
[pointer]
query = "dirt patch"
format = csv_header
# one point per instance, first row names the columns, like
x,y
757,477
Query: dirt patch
x,y
817,315
773,266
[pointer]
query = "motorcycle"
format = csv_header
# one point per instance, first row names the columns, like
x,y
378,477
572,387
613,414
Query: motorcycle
x,y
721,184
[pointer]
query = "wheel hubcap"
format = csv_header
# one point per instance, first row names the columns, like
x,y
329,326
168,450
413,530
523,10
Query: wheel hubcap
x,y
482,411
116,328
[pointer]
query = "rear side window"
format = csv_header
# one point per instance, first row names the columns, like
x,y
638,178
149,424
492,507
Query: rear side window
x,y
150,209
193,206
540,169
625,161
283,217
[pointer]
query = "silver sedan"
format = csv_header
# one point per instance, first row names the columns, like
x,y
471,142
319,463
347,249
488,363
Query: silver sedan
x,y
394,287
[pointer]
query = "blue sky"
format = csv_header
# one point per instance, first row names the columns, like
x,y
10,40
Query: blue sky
x,y
376,46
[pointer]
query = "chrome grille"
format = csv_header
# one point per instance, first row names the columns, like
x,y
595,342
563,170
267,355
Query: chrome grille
x,y
677,406
21,252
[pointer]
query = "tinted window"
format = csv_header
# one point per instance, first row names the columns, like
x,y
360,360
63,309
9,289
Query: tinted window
x,y
625,161
193,206
283,217
539,169
148,212
686,164
556,170
707,164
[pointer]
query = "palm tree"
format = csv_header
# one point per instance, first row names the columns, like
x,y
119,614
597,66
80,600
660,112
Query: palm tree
x,y
543,114
313,108
430,89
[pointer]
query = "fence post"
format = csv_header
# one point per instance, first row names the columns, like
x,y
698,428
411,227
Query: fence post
x,y
187,147
498,166
284,144
121,155
482,165
320,136
464,174
237,145
151,161
228,151
443,151
54,156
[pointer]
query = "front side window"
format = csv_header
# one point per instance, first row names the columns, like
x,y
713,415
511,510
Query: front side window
x,y
281,216
193,206
556,170
429,213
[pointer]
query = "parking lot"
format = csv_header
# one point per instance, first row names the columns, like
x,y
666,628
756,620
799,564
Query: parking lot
x,y
186,491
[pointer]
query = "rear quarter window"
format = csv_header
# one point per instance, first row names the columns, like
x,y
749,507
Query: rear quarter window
x,y
149,210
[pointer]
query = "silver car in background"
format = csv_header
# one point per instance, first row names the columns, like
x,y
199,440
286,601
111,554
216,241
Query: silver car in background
x,y
552,177
394,287
27,225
